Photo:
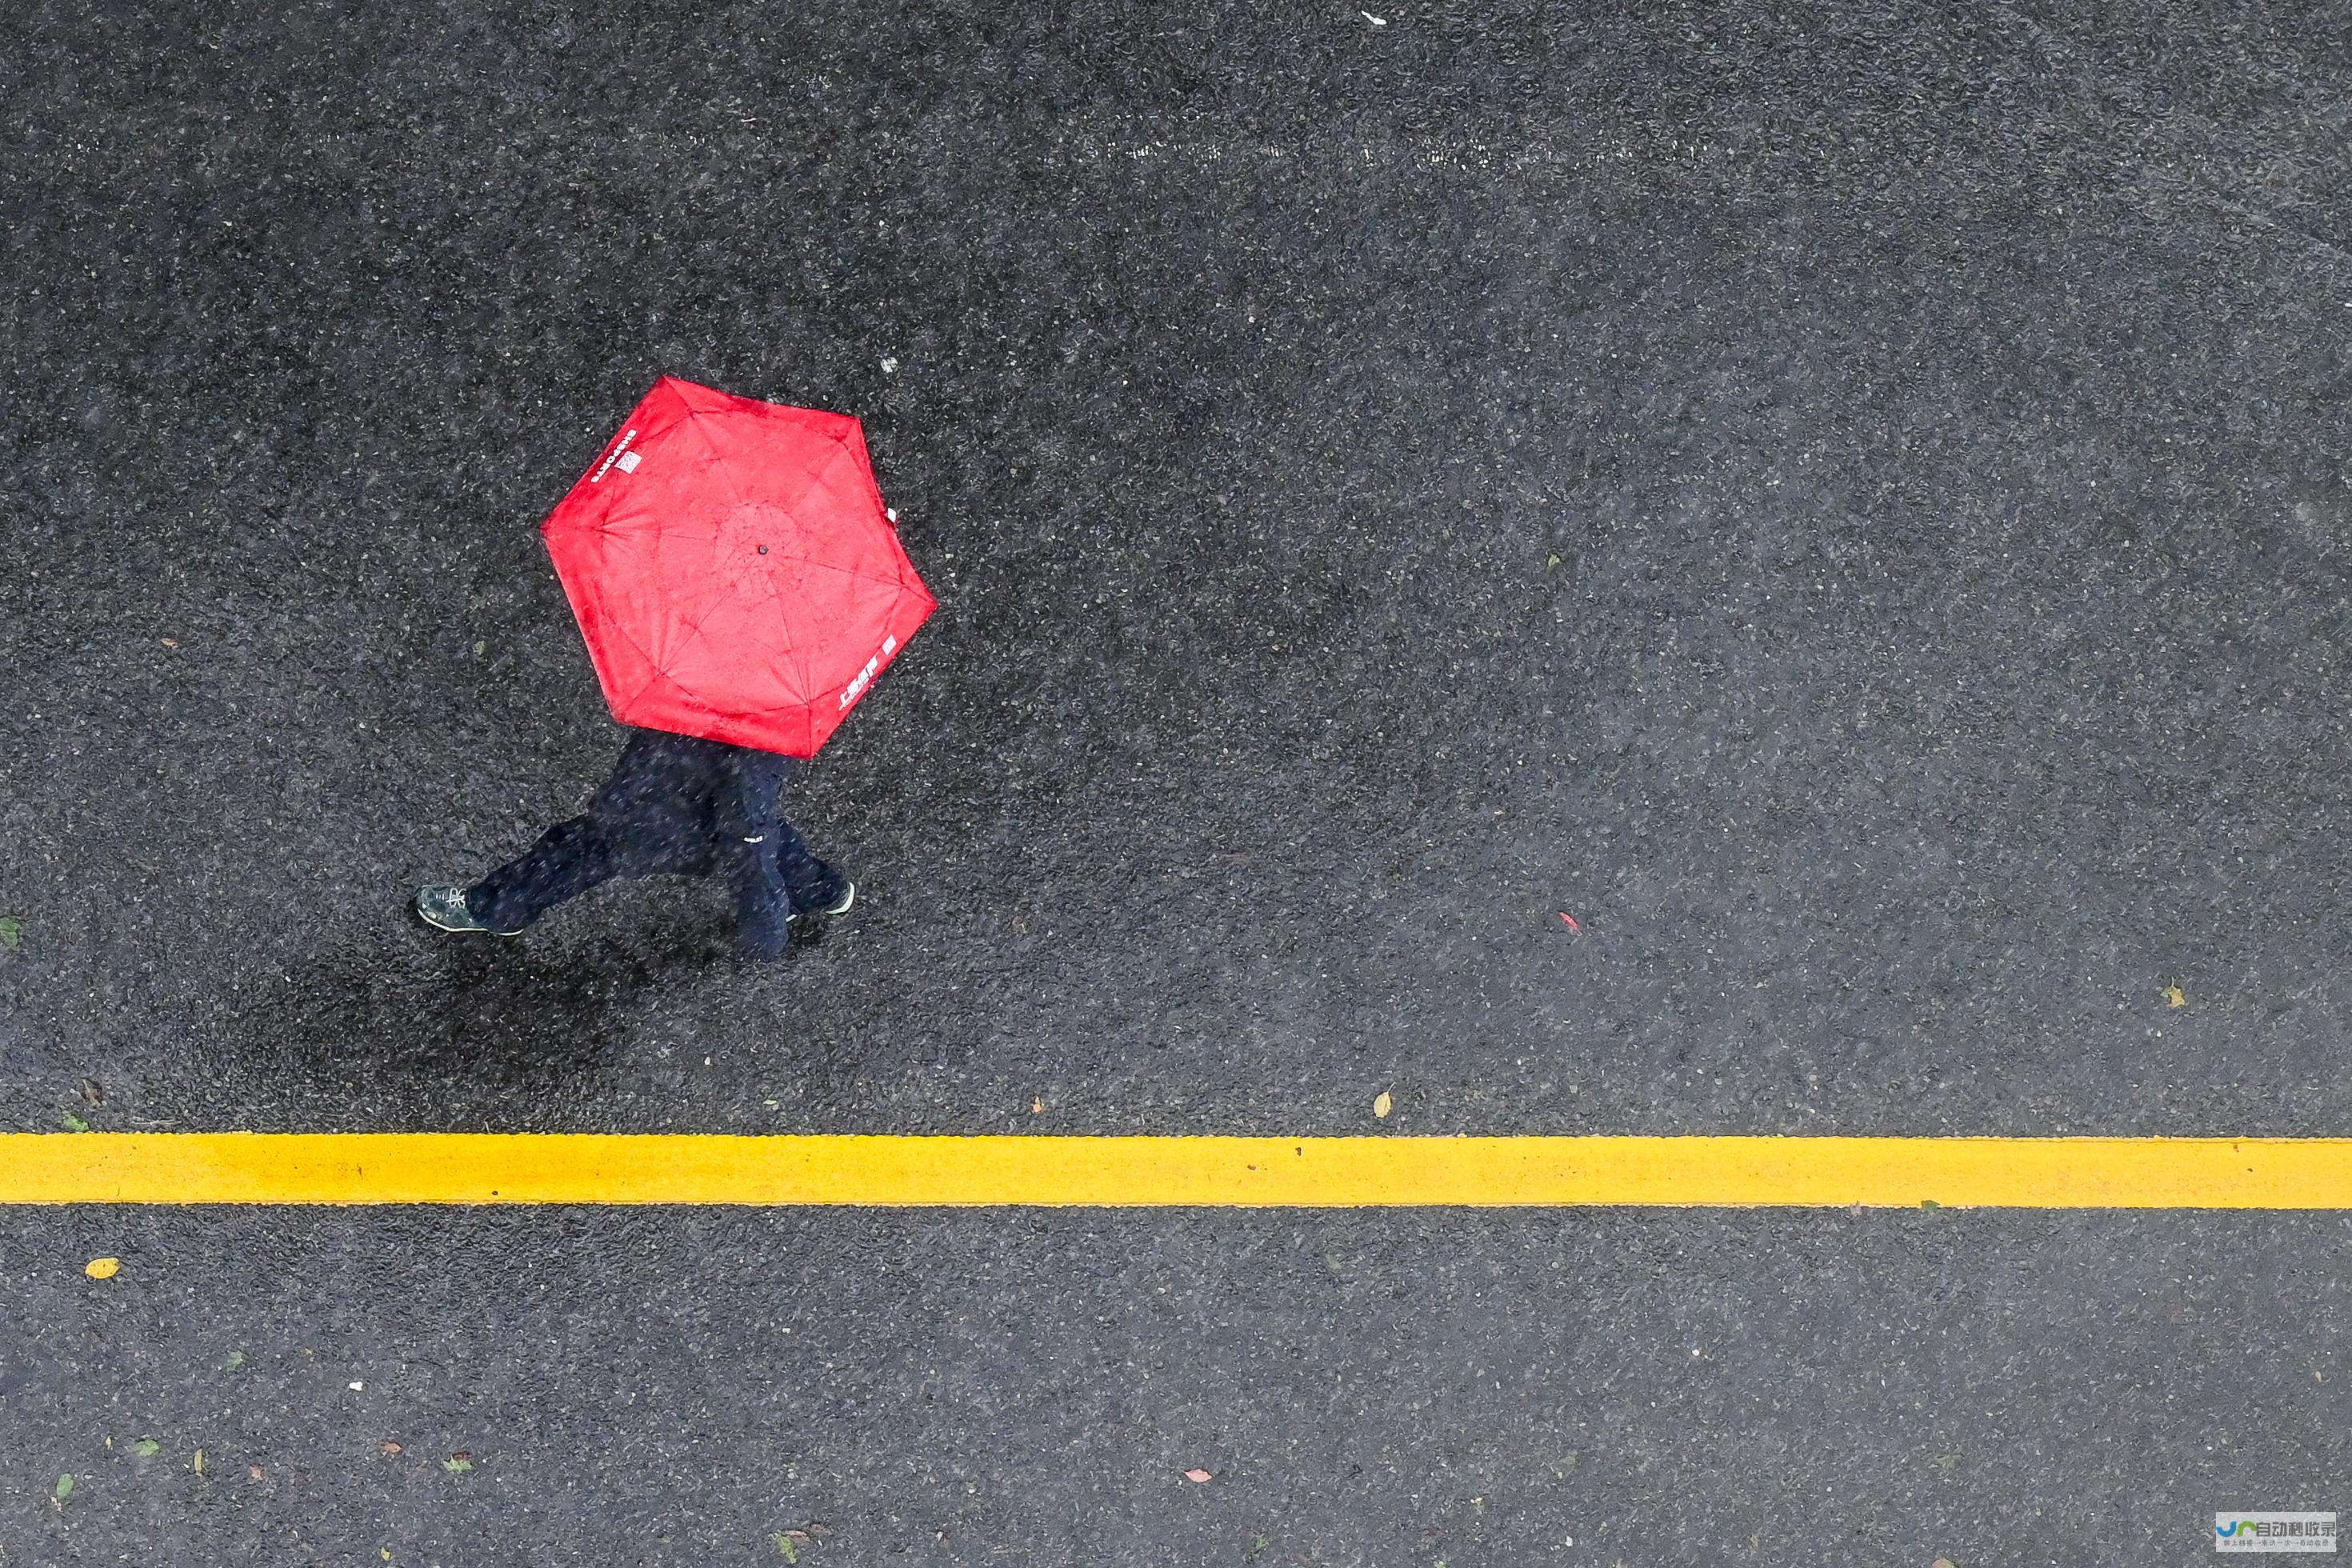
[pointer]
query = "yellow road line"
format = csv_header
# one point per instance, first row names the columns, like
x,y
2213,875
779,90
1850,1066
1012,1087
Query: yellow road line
x,y
1319,1172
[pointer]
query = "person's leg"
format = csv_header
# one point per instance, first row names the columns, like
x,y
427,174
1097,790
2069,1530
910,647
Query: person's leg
x,y
569,858
813,886
762,908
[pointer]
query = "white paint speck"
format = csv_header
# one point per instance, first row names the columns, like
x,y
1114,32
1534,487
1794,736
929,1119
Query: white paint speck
x,y
1375,21
359,1387
891,512
889,364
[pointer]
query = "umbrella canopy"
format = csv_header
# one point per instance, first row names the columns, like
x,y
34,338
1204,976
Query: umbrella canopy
x,y
734,570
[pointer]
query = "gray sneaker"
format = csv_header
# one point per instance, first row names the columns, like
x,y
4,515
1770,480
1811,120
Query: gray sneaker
x,y
838,906
447,908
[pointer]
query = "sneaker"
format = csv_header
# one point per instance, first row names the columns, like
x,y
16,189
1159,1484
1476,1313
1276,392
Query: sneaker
x,y
838,906
447,908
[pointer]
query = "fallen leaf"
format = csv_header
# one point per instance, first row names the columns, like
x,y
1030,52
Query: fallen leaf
x,y
171,642
480,648
386,1550
12,933
387,1447
103,1268
457,1464
236,1360
146,1448
1037,1106
253,1470
92,1091
199,1461
1381,1106
784,1545
1200,1477
65,1488
1551,562
73,1123
2174,996
1943,1563
1929,1204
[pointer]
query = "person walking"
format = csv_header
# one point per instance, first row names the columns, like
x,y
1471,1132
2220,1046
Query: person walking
x,y
677,805
741,585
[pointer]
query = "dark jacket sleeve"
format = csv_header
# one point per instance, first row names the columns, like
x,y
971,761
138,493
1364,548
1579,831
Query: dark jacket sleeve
x,y
744,823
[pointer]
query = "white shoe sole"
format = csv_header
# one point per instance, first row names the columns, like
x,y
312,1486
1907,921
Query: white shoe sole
x,y
842,908
463,930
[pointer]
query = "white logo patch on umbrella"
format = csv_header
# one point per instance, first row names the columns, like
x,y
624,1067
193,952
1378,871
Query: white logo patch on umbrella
x,y
866,677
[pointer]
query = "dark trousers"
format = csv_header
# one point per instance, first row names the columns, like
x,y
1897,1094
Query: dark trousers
x,y
572,857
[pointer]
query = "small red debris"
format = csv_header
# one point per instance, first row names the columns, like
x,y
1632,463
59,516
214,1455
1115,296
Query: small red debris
x,y
1571,922
1200,1477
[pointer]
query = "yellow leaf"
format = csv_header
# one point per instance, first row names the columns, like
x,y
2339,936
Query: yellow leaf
x,y
1381,1106
2174,996
199,1461
103,1268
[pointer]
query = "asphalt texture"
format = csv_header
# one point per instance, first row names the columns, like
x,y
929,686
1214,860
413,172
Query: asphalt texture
x,y
1852,505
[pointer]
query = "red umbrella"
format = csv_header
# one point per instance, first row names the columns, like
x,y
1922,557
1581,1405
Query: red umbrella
x,y
734,570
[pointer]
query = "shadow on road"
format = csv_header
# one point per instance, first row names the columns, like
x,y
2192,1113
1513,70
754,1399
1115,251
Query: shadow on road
x,y
404,1026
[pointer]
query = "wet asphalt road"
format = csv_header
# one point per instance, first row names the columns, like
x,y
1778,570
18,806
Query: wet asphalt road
x,y
1854,507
